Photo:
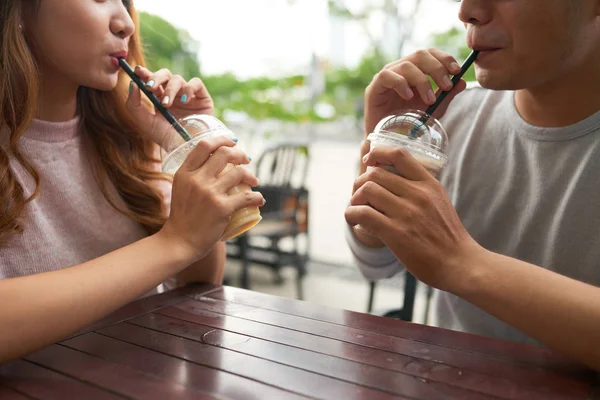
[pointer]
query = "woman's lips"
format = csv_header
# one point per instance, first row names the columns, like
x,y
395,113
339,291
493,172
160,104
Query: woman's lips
x,y
114,58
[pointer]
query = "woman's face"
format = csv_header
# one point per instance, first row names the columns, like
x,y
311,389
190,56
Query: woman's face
x,y
78,41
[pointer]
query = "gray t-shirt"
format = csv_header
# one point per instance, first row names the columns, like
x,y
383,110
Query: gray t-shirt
x,y
527,192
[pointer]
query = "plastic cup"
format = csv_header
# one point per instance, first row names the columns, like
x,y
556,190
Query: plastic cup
x,y
423,136
202,127
420,134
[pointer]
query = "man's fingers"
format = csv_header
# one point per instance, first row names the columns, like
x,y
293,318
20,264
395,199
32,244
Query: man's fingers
x,y
456,90
372,194
406,165
366,216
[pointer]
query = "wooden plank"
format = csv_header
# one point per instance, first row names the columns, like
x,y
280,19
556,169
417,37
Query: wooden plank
x,y
339,368
174,371
113,377
149,304
538,357
9,394
428,361
278,375
42,383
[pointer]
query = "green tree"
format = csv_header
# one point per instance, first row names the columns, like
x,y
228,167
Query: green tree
x,y
454,42
167,47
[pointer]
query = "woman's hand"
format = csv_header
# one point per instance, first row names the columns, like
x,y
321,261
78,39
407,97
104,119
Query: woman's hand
x,y
181,98
200,205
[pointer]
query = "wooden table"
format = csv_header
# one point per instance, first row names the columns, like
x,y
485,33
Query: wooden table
x,y
206,342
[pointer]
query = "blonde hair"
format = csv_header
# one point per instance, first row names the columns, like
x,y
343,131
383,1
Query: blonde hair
x,y
119,153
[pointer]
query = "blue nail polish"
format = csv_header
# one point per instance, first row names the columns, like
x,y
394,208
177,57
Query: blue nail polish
x,y
235,139
249,158
150,84
130,87
184,98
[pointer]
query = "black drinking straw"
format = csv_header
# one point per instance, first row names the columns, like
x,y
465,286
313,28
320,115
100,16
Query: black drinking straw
x,y
455,79
168,116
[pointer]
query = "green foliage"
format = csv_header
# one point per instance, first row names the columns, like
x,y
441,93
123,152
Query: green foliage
x,y
454,42
287,98
164,47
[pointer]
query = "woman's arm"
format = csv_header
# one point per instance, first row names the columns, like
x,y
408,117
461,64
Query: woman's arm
x,y
39,310
208,270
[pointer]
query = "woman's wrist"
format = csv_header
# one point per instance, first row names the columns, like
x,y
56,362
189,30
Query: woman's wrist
x,y
180,252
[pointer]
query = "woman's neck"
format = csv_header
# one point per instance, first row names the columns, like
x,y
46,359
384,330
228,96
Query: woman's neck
x,y
58,99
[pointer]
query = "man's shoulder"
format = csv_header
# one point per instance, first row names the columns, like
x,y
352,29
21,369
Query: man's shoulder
x,y
475,95
476,102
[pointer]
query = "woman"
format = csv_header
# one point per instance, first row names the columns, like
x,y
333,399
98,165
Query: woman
x,y
84,224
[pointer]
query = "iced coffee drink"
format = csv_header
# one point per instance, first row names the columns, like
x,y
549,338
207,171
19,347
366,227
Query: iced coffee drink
x,y
202,127
424,138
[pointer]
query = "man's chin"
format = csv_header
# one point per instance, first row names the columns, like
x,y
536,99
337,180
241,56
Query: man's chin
x,y
494,82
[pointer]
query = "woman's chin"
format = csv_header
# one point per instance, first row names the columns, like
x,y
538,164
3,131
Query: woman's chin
x,y
106,84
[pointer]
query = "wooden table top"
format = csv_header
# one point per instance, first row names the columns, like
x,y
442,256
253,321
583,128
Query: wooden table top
x,y
207,342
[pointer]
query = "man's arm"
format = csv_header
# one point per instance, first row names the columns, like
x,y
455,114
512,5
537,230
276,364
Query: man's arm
x,y
415,219
562,313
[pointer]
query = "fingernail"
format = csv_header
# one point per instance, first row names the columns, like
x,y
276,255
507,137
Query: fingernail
x,y
454,66
166,100
365,158
235,139
130,87
447,82
431,96
150,83
138,66
409,93
249,158
184,98
264,201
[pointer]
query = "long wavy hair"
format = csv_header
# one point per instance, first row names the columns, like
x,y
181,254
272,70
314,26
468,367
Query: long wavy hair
x,y
118,152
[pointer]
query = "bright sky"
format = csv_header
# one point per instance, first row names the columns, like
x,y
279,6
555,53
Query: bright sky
x,y
275,37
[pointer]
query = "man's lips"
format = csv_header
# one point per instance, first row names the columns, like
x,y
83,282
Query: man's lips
x,y
483,48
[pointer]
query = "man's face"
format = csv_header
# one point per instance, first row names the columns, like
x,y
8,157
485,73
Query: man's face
x,y
529,43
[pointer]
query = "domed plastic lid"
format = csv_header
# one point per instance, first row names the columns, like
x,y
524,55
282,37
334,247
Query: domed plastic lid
x,y
200,127
200,124
415,130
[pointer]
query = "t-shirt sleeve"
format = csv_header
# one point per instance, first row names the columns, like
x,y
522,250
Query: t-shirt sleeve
x,y
375,264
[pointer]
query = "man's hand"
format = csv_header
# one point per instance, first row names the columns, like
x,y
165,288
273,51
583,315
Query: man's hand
x,y
405,85
412,215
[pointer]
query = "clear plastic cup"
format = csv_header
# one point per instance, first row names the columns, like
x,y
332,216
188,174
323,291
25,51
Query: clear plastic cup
x,y
202,127
422,135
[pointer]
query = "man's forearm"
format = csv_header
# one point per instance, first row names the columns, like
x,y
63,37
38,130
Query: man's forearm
x,y
559,312
210,269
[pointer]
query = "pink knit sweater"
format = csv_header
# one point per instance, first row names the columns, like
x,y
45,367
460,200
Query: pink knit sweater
x,y
70,222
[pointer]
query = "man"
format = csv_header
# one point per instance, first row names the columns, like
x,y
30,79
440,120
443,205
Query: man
x,y
523,177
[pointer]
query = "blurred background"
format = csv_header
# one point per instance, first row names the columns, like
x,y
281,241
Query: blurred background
x,y
288,76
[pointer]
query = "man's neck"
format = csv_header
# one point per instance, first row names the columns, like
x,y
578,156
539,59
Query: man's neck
x,y
58,99
563,102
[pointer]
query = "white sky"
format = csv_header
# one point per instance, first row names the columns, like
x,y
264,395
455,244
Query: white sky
x,y
275,37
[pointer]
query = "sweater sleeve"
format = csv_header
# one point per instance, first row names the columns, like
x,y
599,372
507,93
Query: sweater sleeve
x,y
375,264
